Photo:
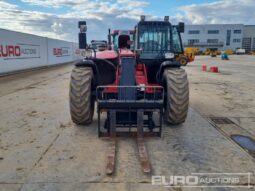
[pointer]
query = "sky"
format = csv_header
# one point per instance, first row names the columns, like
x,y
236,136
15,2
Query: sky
x,y
58,18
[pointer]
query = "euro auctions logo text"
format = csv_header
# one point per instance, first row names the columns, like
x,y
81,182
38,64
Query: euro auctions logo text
x,y
204,180
60,52
10,51
19,51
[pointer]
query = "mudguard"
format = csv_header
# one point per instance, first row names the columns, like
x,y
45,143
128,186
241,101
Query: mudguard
x,y
104,70
163,66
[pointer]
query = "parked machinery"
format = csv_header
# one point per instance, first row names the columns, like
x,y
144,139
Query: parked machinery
x,y
188,56
224,55
136,83
99,45
240,51
213,52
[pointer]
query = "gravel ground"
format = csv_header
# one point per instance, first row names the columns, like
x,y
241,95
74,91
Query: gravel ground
x,y
230,93
41,149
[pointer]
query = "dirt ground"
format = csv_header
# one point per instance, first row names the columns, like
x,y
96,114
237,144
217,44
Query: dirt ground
x,y
41,149
230,93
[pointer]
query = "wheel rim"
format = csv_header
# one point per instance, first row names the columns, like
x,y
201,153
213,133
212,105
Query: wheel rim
x,y
183,61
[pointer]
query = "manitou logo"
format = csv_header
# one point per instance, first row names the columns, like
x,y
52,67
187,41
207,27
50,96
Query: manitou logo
x,y
10,51
19,51
59,52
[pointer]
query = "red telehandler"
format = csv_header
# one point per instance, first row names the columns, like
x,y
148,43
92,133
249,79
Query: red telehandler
x,y
137,83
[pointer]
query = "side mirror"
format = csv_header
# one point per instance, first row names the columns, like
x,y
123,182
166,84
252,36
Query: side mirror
x,y
82,35
138,51
82,41
181,27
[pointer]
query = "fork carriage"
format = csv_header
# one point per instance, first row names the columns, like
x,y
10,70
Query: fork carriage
x,y
128,106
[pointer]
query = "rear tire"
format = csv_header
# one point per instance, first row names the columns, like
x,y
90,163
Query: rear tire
x,y
81,101
177,98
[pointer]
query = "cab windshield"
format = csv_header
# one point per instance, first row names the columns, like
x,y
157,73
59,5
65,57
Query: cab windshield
x,y
152,40
157,38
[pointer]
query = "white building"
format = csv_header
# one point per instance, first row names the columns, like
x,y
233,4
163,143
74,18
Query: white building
x,y
249,38
218,36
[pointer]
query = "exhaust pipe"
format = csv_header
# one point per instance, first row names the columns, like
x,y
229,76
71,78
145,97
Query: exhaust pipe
x,y
109,39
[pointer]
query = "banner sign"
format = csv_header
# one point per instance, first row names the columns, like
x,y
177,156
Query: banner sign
x,y
19,51
60,52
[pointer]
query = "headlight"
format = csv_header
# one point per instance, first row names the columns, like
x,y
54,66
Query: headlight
x,y
169,55
87,53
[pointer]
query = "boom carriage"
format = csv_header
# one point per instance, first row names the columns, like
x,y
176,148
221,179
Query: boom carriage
x,y
129,93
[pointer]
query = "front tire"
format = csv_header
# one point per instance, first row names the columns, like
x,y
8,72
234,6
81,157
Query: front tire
x,y
177,98
81,101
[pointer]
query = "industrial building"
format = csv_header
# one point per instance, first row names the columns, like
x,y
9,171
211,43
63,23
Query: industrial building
x,y
220,36
249,38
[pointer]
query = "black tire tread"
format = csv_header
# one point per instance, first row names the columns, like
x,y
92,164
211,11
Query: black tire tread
x,y
177,101
81,104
